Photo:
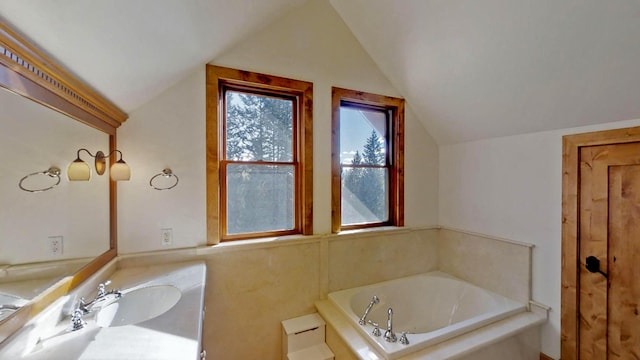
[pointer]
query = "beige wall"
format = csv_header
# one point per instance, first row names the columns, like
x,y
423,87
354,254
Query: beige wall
x,y
32,139
310,43
251,289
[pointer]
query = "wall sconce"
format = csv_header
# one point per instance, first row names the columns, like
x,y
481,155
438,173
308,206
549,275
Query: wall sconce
x,y
79,170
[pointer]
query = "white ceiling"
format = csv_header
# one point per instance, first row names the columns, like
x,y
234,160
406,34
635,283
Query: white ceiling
x,y
131,50
470,69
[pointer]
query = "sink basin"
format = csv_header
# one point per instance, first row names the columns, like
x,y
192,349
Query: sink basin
x,y
9,304
139,305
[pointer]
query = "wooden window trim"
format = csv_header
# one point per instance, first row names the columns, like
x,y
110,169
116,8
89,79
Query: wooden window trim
x,y
570,292
396,186
216,76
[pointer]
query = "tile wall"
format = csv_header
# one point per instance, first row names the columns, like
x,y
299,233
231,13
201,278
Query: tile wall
x,y
252,287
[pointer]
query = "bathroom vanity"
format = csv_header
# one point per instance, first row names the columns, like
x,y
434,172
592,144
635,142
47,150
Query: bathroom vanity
x,y
152,312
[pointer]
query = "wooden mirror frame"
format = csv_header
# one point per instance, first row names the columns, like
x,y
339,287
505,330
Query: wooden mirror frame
x,y
28,72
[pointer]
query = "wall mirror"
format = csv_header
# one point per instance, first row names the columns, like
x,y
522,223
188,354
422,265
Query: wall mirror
x,y
50,234
50,240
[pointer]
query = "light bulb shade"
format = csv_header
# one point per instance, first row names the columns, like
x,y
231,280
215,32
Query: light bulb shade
x,y
120,171
78,170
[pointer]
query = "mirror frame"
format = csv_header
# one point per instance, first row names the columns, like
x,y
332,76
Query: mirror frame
x,y
29,72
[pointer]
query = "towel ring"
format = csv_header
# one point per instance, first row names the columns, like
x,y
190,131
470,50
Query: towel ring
x,y
166,173
53,172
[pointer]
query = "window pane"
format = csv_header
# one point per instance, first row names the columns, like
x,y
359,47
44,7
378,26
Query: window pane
x,y
259,128
260,198
362,136
364,195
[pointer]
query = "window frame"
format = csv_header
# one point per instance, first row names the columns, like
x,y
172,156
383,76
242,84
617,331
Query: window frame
x,y
394,154
218,81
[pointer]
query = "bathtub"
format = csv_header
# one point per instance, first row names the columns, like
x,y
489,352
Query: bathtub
x,y
430,308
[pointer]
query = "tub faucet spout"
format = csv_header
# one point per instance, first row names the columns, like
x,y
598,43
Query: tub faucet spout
x,y
389,335
363,319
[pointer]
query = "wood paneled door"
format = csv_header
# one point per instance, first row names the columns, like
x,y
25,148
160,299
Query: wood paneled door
x,y
605,284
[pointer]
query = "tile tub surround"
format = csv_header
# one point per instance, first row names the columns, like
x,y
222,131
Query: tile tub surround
x,y
499,265
173,335
358,259
257,285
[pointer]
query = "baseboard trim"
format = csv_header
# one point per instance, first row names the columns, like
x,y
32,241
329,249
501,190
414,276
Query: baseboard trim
x,y
545,357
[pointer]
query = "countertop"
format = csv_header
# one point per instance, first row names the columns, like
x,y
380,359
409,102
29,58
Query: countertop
x,y
174,335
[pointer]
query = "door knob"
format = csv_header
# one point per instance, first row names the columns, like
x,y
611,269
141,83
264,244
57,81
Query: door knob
x,y
593,265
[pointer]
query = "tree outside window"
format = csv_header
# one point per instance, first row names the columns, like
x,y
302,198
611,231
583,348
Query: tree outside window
x,y
259,157
368,160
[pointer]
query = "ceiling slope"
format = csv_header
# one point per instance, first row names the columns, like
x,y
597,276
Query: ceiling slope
x,y
130,51
479,69
470,69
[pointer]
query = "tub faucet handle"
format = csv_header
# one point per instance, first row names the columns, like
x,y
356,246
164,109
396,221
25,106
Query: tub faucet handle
x,y
403,339
376,328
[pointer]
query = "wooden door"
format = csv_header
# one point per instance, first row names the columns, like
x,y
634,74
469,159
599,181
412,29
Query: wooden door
x,y
609,230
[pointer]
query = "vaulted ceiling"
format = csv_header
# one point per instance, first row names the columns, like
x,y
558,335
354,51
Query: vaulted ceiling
x,y
469,69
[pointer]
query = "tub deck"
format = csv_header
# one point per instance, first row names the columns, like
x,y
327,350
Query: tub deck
x,y
451,307
454,348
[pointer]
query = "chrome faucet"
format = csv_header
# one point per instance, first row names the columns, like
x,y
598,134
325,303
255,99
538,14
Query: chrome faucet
x,y
363,319
389,335
86,307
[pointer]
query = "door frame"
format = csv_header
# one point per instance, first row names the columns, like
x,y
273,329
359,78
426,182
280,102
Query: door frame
x,y
570,292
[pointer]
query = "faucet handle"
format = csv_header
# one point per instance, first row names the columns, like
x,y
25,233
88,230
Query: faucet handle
x,y
104,284
102,287
376,328
82,306
403,339
76,320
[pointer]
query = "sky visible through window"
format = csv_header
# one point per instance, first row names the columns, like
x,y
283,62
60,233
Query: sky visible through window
x,y
355,128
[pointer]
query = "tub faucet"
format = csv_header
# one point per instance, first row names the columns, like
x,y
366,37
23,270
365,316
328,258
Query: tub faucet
x,y
389,335
363,319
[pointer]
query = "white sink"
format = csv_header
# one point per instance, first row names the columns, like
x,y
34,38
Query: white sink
x,y
139,305
9,304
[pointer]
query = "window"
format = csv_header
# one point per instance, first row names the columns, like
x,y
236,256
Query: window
x,y
259,161
367,160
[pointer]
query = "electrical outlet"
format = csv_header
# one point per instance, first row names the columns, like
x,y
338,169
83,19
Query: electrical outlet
x,y
166,236
55,245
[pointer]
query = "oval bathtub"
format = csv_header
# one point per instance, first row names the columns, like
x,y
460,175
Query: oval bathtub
x,y
430,308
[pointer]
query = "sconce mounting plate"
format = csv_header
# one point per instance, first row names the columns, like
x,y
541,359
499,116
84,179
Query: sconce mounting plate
x,y
101,164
